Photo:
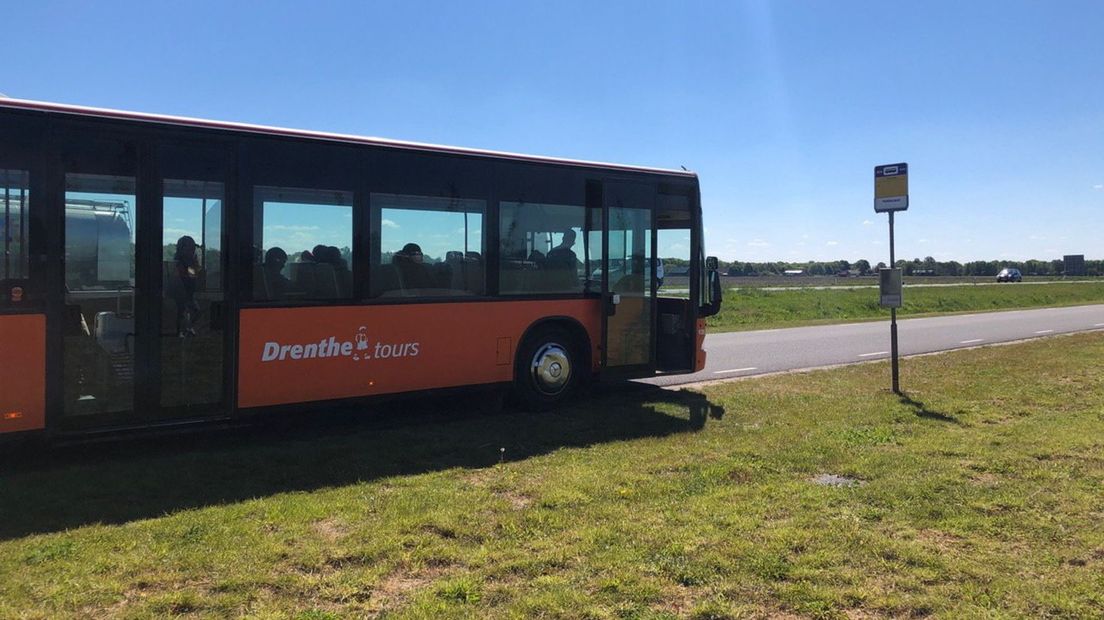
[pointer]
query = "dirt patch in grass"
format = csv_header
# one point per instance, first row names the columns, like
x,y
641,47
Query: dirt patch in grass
x,y
395,589
330,530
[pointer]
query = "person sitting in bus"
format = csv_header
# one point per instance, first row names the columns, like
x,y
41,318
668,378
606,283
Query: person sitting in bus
x,y
275,282
561,266
562,256
536,258
412,269
330,255
183,288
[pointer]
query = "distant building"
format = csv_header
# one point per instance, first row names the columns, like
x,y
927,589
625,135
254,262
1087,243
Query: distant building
x,y
794,272
1074,265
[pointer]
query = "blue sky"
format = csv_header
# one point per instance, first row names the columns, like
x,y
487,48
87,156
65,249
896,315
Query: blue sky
x,y
783,108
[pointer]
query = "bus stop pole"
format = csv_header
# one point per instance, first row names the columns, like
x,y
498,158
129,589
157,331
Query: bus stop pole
x,y
893,316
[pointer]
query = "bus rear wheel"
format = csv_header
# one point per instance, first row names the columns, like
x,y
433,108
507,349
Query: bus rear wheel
x,y
548,369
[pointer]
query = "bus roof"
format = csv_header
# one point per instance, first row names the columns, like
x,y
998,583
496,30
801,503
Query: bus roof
x,y
61,108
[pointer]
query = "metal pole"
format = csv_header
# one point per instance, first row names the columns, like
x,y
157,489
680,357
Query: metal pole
x,y
893,316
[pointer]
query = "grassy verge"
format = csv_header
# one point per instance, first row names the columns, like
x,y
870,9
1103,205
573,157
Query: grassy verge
x,y
757,309
977,495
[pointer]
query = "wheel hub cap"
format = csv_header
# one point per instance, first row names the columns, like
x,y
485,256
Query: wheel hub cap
x,y
551,368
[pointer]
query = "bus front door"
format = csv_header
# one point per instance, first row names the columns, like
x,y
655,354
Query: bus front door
x,y
628,280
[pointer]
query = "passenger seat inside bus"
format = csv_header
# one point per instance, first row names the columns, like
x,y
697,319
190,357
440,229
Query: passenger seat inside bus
x,y
316,280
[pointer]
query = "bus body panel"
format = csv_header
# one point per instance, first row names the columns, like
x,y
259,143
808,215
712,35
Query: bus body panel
x,y
296,355
699,346
23,378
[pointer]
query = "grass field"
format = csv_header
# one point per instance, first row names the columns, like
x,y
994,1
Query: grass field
x,y
977,495
753,308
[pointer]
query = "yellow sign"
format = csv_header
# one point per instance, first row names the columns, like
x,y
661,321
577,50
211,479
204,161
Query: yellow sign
x,y
891,187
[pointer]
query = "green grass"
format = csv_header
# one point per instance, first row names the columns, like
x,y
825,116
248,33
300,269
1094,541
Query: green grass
x,y
979,495
749,308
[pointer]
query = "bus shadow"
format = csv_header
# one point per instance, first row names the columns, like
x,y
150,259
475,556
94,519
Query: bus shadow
x,y
56,489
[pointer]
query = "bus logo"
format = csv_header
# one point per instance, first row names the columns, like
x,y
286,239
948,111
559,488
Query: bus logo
x,y
358,349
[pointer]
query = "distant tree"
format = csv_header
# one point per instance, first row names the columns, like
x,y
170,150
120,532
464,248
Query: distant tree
x,y
863,266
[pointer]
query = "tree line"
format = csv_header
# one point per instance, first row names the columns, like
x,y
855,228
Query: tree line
x,y
927,266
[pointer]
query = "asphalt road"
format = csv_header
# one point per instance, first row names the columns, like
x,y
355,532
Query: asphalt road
x,y
759,352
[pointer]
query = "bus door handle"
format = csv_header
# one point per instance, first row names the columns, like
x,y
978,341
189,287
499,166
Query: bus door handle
x,y
612,301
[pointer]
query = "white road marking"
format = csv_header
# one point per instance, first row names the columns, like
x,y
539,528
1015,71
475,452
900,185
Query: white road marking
x,y
971,341
1045,331
875,353
721,372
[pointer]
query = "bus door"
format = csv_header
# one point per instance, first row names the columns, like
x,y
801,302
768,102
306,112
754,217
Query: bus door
x,y
678,288
188,296
136,347
22,310
100,332
628,327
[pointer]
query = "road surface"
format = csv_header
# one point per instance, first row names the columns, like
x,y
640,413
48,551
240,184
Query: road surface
x,y
739,354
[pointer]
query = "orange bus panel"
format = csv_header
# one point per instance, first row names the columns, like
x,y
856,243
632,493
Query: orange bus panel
x,y
699,347
23,376
295,355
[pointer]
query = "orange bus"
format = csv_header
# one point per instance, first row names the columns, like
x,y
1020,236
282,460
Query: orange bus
x,y
160,270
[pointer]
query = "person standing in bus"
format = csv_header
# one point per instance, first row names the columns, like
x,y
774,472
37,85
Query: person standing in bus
x,y
187,274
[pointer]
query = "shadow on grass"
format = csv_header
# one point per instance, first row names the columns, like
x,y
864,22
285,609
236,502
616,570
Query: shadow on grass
x,y
55,489
922,410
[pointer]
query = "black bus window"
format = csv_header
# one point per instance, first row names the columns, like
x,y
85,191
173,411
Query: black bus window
x,y
14,226
100,336
304,243
428,246
541,248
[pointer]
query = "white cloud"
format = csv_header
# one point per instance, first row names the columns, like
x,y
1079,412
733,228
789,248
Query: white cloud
x,y
1099,187
758,243
867,222
832,243
389,224
289,228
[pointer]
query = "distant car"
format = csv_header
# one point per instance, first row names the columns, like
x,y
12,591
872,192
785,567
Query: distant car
x,y
1009,274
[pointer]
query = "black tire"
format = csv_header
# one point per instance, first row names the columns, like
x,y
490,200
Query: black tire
x,y
539,369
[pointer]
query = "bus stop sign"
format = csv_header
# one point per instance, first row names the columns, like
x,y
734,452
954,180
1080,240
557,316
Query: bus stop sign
x,y
890,188
890,287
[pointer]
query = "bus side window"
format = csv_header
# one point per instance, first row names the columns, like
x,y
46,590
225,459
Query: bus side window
x,y
305,240
541,248
429,246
